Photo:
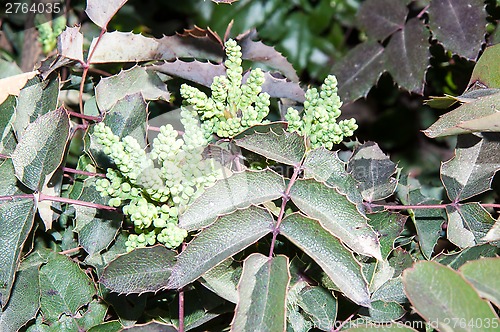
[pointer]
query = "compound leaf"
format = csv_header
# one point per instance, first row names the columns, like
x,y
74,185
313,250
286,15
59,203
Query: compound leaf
x,y
65,288
468,224
483,275
459,25
262,292
471,170
218,242
441,296
139,271
373,170
359,70
329,253
238,191
279,145
128,82
408,55
337,214
381,18
41,149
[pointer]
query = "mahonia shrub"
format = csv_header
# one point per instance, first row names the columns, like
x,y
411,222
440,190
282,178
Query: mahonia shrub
x,y
245,208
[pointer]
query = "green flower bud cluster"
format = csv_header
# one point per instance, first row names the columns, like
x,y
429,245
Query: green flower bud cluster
x,y
48,32
233,106
153,197
319,118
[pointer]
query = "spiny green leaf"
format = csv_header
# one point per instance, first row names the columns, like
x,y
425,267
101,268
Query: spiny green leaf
x,y
24,301
139,271
70,44
96,228
16,220
458,25
391,291
477,115
218,242
359,70
487,71
471,170
223,280
373,170
441,296
483,274
279,145
35,99
337,214
236,192
94,315
388,227
381,18
41,149
408,55
65,288
320,305
128,82
325,166
456,260
262,292
468,224
328,252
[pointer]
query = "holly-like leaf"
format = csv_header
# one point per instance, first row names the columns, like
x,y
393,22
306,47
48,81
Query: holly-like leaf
x,y
24,301
477,115
139,271
388,227
218,242
471,170
468,224
459,25
373,170
70,43
223,280
12,85
427,222
16,220
391,291
238,191
279,145
359,70
482,274
319,305
381,18
41,149
337,214
441,295
325,166
35,99
115,47
408,55
458,259
128,82
487,72
64,288
258,52
329,253
195,71
278,87
96,229
7,115
262,292
101,12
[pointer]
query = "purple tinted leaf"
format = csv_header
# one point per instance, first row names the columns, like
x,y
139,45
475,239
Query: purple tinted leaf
x,y
407,56
199,72
381,18
279,87
257,51
459,25
359,70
